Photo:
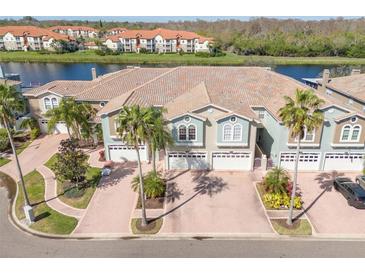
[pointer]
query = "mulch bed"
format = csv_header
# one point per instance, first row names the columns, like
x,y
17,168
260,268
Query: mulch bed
x,y
152,203
282,222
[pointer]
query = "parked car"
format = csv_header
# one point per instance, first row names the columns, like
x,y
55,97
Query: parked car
x,y
353,192
361,180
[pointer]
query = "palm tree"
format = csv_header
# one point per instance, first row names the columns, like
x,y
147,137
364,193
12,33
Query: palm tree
x,y
11,102
76,116
159,136
63,113
134,126
300,115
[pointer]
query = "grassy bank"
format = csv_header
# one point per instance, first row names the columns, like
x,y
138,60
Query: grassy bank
x,y
47,219
93,176
173,59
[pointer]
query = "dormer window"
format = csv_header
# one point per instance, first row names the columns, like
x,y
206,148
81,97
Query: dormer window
x,y
350,133
47,103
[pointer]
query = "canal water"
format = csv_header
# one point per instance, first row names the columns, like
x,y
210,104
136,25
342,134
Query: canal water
x,y
41,73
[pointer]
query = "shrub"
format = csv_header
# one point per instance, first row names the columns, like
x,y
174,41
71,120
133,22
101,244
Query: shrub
x,y
281,200
202,54
276,181
34,133
4,139
154,185
143,51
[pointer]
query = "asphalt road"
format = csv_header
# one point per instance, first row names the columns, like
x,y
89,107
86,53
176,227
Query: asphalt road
x,y
15,243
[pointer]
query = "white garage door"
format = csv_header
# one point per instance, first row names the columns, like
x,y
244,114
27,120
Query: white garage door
x,y
344,161
231,161
307,160
122,153
59,128
191,160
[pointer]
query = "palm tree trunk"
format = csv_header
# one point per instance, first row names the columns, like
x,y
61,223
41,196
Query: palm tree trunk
x,y
68,131
20,174
141,187
153,158
294,189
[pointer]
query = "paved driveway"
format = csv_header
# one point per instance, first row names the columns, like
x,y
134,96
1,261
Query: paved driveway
x,y
327,208
112,205
213,202
37,153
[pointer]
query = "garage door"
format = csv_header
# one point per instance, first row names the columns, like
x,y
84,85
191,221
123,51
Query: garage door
x,y
344,161
191,160
307,160
59,128
231,161
122,153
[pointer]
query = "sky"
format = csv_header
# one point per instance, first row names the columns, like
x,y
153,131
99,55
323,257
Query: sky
x,y
168,18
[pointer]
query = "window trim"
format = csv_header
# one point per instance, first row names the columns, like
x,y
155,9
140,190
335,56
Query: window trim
x,y
178,133
303,140
52,100
188,132
351,130
231,132
240,131
45,105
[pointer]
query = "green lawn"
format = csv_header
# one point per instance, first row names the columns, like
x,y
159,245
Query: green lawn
x,y
92,175
47,220
302,228
23,146
173,59
4,161
153,227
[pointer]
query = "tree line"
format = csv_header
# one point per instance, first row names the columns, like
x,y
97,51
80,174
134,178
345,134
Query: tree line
x,y
257,36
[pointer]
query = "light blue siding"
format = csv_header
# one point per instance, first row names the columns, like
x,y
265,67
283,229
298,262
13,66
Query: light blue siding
x,y
199,124
245,130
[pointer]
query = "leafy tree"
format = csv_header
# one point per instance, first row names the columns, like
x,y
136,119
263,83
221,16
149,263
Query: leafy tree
x,y
11,102
71,163
299,115
134,125
276,180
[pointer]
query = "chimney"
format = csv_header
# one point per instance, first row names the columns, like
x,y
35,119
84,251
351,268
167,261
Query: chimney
x,y
355,72
325,79
93,73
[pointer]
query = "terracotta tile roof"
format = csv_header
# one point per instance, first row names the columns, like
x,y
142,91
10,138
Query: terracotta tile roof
x,y
63,88
114,38
165,33
112,85
117,29
74,28
9,82
353,85
31,31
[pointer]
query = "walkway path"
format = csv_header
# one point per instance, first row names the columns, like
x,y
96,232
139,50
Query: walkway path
x,y
35,155
51,197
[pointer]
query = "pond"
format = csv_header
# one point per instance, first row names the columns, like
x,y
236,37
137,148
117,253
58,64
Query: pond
x,y
41,73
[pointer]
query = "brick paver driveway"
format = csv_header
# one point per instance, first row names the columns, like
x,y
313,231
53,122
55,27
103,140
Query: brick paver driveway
x,y
36,154
327,209
214,202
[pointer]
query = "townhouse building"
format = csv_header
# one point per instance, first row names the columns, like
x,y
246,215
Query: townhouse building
x,y
158,41
75,31
27,38
222,118
115,31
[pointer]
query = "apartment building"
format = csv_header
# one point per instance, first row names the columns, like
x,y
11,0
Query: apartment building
x,y
222,118
27,38
159,41
115,31
75,31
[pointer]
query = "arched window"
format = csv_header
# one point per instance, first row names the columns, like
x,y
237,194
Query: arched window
x,y
237,132
182,133
192,133
227,132
54,102
356,130
47,103
345,134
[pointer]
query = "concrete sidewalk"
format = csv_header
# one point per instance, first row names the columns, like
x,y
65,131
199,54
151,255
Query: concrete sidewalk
x,y
35,155
51,197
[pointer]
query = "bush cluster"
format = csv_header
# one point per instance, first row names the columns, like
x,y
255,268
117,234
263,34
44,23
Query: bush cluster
x,y
281,200
4,140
